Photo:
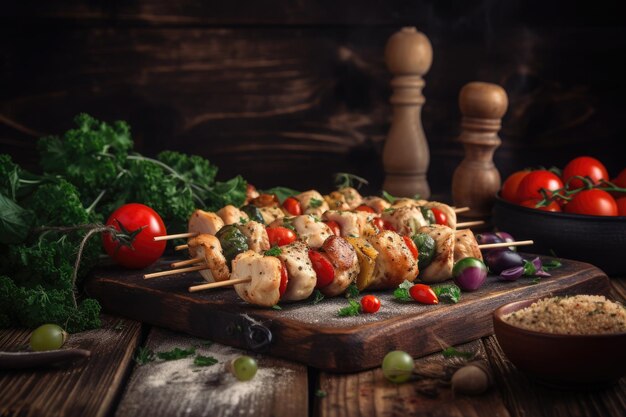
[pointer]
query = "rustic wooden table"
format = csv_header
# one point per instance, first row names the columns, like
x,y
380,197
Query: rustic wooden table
x,y
112,383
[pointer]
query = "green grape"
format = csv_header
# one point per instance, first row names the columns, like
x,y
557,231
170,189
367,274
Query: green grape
x,y
244,368
47,337
398,366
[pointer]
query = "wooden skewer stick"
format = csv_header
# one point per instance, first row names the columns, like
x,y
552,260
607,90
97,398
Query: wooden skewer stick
x,y
175,271
505,244
461,209
218,284
178,236
191,261
470,224
181,247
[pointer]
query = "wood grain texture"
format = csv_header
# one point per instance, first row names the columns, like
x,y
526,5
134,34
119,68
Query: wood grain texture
x,y
88,388
369,394
180,388
361,341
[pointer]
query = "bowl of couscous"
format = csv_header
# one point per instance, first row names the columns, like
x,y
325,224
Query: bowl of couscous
x,y
572,341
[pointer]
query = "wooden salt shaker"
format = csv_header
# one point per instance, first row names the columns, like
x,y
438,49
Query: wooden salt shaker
x,y
408,55
476,180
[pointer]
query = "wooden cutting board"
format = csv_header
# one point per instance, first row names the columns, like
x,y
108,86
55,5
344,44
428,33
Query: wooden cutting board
x,y
313,333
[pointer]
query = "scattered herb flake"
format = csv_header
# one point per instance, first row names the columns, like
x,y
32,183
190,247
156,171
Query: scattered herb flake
x,y
551,264
447,292
391,199
317,297
274,251
345,180
451,352
200,360
176,353
402,292
352,291
354,309
320,393
276,307
315,202
119,326
144,356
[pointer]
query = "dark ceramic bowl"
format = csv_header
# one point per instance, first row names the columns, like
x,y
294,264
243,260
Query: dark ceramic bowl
x,y
598,240
567,361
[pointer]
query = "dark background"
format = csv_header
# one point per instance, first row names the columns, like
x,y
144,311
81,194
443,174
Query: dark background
x,y
289,92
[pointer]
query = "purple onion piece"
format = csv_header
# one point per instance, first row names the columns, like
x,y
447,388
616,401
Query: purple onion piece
x,y
512,274
471,278
537,263
506,237
542,273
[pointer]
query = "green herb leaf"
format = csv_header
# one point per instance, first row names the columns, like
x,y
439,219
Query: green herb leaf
x,y
529,268
144,356
200,360
402,292
447,292
274,251
345,180
391,199
320,393
354,309
276,307
15,222
317,297
176,354
551,264
281,192
451,352
352,291
315,202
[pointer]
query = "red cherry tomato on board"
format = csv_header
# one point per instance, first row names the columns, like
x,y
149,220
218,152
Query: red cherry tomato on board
x,y
531,184
334,227
621,206
292,205
592,202
142,224
280,236
365,208
370,304
553,206
323,269
423,294
284,278
583,166
511,184
440,216
411,245
381,224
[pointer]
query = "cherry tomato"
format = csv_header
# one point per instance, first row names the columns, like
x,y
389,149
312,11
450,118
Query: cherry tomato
x,y
292,205
620,180
365,208
531,184
440,216
592,202
621,206
511,184
411,245
423,294
323,269
334,227
584,166
141,224
553,206
280,236
381,224
370,304
284,278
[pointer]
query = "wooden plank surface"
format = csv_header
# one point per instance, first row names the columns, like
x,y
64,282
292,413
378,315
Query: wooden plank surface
x,y
177,388
88,388
361,342
369,394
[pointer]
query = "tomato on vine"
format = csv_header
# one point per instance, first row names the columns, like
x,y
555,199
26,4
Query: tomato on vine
x,y
621,206
583,166
511,184
592,202
134,247
530,186
552,206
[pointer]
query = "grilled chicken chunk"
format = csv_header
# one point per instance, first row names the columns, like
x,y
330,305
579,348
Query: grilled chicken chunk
x,y
204,222
351,196
256,236
445,209
302,278
336,201
310,230
394,263
270,213
465,245
343,258
352,224
231,214
440,269
264,272
209,248
312,202
402,202
406,219
378,204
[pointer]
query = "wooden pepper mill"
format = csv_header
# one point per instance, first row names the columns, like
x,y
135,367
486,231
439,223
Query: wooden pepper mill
x,y
408,55
476,180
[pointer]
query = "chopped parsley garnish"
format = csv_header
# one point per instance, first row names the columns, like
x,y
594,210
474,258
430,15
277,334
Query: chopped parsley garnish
x,y
451,352
274,251
175,354
144,356
317,297
447,292
352,291
402,292
354,309
320,393
200,360
276,307
391,199
315,202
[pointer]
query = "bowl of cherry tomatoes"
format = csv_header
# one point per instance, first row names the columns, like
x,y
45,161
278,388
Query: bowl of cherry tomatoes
x,y
578,213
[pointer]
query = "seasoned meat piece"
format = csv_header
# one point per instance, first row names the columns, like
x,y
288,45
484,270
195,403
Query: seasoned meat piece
x,y
270,213
302,278
402,202
256,236
311,231
265,200
343,258
312,202
395,262
445,209
465,245
204,222
352,224
352,197
336,201
231,214
209,248
251,193
378,204
264,272
406,219
440,268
